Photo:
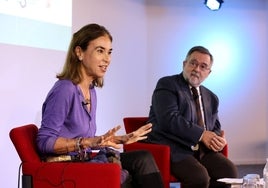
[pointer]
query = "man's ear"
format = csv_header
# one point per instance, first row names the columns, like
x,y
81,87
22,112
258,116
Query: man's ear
x,y
184,63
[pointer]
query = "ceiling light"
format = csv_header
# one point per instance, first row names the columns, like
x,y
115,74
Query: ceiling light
x,y
213,4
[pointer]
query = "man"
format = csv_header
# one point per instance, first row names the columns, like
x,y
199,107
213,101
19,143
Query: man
x,y
184,115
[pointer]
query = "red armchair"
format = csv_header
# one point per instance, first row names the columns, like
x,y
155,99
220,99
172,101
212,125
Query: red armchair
x,y
38,174
160,152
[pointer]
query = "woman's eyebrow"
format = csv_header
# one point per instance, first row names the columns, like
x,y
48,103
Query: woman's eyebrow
x,y
101,47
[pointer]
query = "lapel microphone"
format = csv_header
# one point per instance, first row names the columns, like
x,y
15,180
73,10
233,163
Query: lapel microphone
x,y
85,103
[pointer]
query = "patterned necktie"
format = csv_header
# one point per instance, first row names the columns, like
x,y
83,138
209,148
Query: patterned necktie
x,y
198,107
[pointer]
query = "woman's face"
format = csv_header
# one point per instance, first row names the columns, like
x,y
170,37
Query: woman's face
x,y
96,58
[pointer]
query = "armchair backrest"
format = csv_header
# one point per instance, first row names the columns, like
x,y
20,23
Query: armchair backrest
x,y
24,140
133,123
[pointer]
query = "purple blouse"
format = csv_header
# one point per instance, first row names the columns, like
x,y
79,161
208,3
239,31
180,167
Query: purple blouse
x,y
64,115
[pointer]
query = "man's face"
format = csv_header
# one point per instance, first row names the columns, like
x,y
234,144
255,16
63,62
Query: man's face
x,y
196,68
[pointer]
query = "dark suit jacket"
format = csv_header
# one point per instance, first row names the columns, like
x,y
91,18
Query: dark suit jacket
x,y
172,114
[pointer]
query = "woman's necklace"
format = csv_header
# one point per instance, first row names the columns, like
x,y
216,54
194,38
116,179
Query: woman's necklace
x,y
86,95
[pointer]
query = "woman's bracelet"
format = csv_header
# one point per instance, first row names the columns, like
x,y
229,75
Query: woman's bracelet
x,y
78,144
67,145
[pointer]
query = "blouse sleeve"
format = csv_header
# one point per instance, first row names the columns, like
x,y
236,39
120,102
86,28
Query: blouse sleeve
x,y
54,112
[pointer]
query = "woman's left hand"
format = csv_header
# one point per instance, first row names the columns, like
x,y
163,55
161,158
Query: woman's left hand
x,y
107,140
139,134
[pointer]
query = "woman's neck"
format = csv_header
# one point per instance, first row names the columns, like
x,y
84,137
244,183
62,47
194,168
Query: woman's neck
x,y
85,89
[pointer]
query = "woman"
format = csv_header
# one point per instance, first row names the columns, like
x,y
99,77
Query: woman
x,y
69,113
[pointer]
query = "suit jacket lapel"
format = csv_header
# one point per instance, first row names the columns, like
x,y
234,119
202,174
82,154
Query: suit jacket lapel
x,y
188,94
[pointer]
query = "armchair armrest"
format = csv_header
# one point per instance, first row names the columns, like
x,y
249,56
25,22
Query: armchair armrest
x,y
224,151
69,175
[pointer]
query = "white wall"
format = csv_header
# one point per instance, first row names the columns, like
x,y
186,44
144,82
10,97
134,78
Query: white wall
x,y
151,38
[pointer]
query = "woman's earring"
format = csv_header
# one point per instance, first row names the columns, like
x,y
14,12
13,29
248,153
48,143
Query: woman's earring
x,y
80,58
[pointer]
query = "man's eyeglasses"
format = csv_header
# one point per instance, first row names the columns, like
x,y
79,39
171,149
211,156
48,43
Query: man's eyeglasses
x,y
202,66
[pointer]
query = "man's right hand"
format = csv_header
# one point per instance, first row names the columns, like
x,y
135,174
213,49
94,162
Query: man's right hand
x,y
213,141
